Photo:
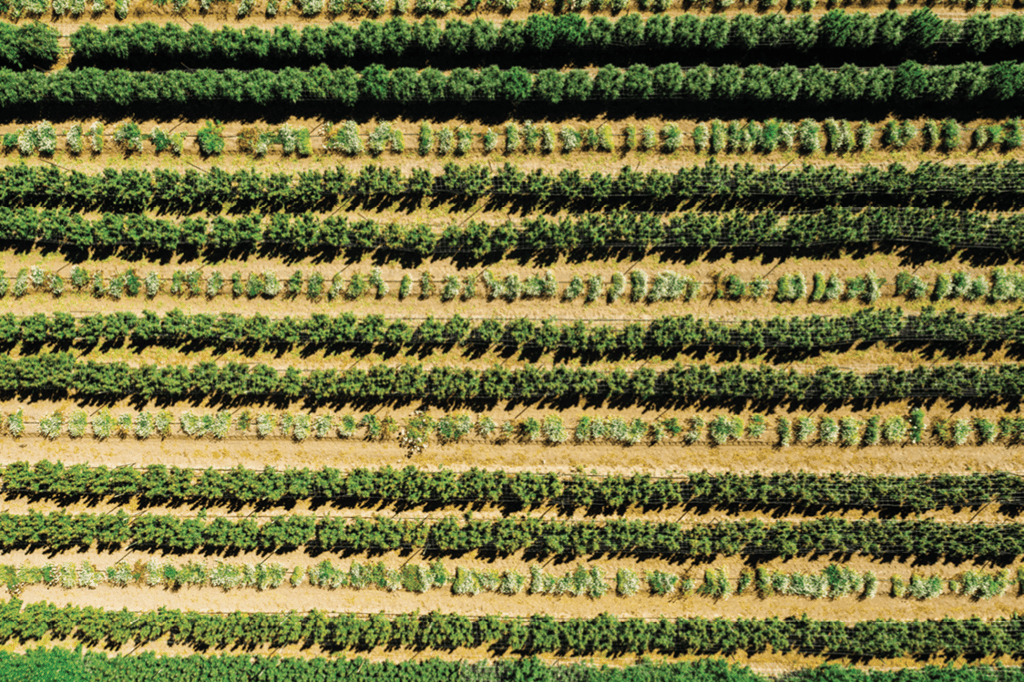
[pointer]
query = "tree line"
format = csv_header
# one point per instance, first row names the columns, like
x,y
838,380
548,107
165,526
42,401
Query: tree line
x,y
948,638
906,86
160,484
146,44
661,336
61,531
131,190
61,374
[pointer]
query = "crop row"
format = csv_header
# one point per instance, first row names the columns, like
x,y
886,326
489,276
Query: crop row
x,y
159,484
595,232
133,190
60,531
947,638
664,286
662,336
907,86
415,432
142,45
832,582
28,45
715,137
997,287
61,374
270,9
92,666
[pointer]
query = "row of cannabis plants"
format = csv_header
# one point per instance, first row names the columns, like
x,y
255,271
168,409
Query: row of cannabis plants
x,y
1000,286
661,337
905,87
921,32
596,232
134,190
61,374
832,582
884,639
161,484
420,429
536,536
715,137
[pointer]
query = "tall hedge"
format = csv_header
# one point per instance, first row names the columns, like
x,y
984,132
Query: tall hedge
x,y
907,86
684,37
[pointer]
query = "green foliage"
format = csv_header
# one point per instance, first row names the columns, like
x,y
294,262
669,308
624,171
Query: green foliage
x,y
210,138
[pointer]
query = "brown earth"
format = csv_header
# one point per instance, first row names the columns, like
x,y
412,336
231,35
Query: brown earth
x,y
221,14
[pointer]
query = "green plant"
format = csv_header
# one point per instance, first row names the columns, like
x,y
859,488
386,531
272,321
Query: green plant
x,y
210,138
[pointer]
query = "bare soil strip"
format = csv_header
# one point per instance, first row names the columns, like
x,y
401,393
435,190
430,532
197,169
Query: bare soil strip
x,y
860,359
688,518
225,14
284,599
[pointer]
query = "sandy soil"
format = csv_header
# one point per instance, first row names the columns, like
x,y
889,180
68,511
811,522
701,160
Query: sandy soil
x,y
375,601
288,13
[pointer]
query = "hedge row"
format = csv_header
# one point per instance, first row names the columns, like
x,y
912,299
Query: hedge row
x,y
946,638
133,190
593,231
62,374
92,666
159,484
146,44
60,531
905,87
661,336
309,234
28,45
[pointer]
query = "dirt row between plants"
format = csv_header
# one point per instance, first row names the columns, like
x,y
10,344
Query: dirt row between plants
x,y
225,14
706,267
703,266
687,517
769,663
863,359
689,567
285,599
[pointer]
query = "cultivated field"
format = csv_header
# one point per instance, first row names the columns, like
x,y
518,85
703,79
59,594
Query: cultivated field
x,y
612,340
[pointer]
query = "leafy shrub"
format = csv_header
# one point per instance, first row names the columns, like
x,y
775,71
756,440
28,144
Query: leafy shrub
x,y
210,138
